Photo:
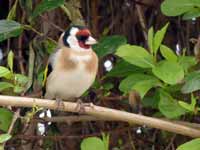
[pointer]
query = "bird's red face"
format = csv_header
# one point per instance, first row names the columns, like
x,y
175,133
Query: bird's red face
x,y
79,38
82,36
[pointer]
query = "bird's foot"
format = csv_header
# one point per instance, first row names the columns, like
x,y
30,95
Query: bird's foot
x,y
80,108
59,104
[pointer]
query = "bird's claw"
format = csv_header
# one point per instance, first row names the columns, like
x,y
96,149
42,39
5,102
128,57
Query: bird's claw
x,y
59,104
80,108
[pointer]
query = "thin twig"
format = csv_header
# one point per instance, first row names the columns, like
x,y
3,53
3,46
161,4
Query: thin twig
x,y
101,112
14,119
171,142
30,66
142,22
20,41
85,118
52,24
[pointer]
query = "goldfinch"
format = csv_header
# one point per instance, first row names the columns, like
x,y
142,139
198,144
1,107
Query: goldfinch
x,y
72,68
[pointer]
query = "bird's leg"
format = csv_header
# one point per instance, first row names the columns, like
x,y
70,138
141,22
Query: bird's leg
x,y
59,104
80,108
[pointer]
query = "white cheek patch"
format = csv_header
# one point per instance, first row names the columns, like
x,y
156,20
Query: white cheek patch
x,y
72,40
73,31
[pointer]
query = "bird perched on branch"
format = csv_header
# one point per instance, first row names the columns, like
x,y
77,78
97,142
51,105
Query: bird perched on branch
x,y
72,68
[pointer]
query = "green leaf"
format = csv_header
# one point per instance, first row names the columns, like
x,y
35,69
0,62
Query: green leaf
x,y
109,44
9,28
191,145
193,13
4,137
168,53
169,106
1,147
49,46
135,55
152,101
4,72
186,62
46,5
18,89
5,85
142,87
186,106
150,39
21,79
122,69
91,143
10,60
169,72
158,38
105,139
190,107
128,83
108,86
192,82
5,119
178,7
12,12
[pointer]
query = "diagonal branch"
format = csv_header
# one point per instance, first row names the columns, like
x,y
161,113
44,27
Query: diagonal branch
x,y
102,112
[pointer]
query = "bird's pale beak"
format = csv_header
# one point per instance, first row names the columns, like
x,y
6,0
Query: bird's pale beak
x,y
90,41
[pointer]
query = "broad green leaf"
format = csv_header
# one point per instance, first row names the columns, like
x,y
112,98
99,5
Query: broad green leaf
x,y
109,44
46,5
123,69
91,143
168,53
193,13
9,28
18,89
191,145
21,79
151,101
150,39
4,72
186,62
173,89
108,86
169,72
169,107
5,85
5,119
178,7
192,82
128,83
10,60
12,12
158,38
4,137
142,87
135,55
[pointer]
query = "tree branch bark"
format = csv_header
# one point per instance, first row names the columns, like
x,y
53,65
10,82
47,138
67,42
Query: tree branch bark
x,y
102,112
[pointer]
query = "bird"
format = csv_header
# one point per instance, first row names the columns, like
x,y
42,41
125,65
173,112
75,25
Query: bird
x,y
72,67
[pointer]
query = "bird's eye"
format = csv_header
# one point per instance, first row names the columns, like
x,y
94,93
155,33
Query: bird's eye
x,y
82,37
